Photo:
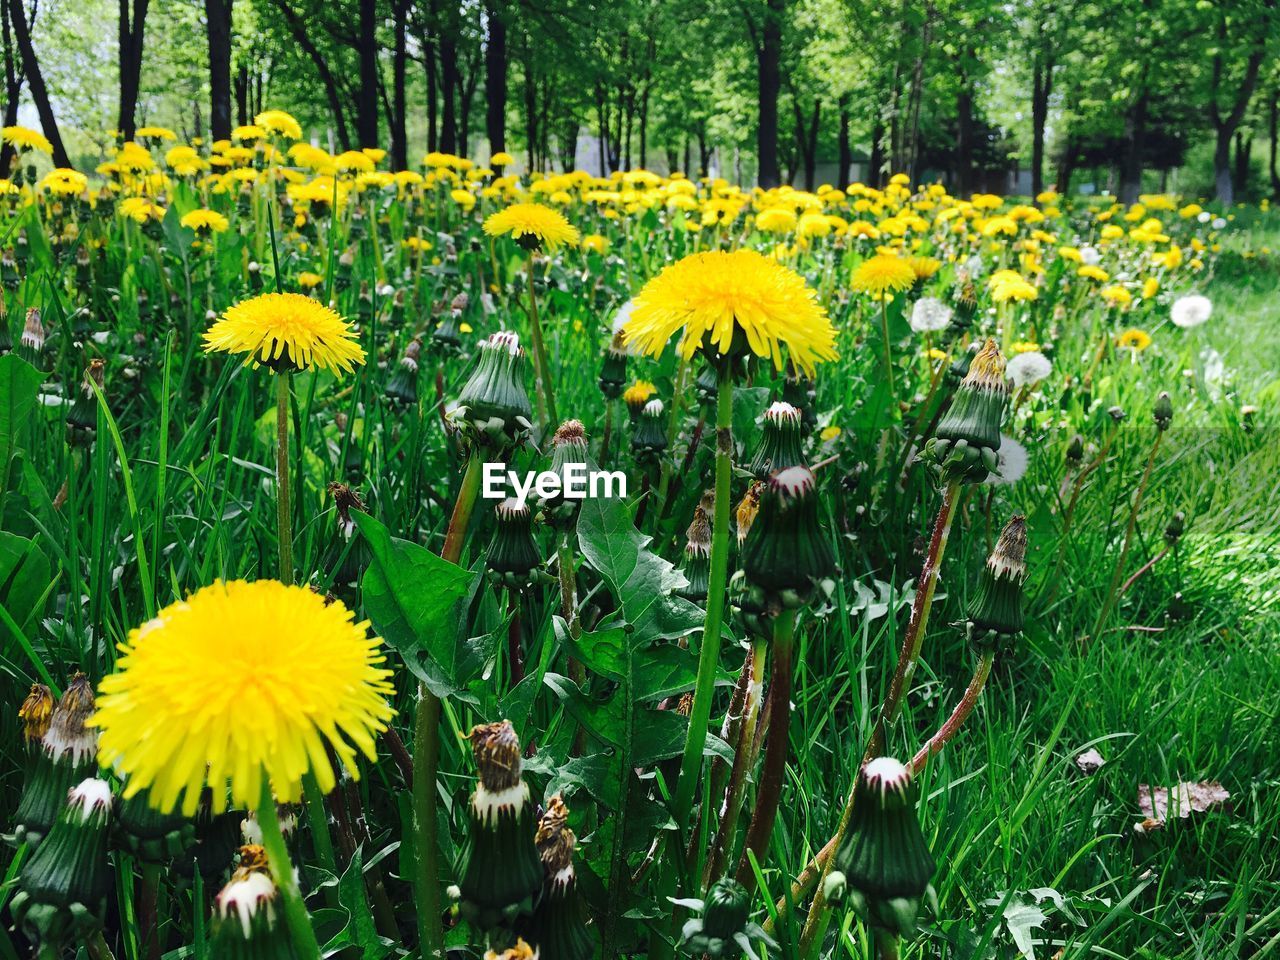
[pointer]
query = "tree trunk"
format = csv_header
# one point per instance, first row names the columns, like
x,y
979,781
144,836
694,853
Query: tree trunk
x,y
298,29
13,90
399,83
495,82
845,160
1135,129
1066,167
449,92
1041,88
218,18
433,107
875,163
1273,150
130,36
964,136
242,95
768,85
367,98
35,82
1244,147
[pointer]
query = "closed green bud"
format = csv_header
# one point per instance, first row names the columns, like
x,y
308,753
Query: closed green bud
x,y
65,753
706,385
568,447
82,418
501,871
1162,413
696,565
493,407
1173,532
963,448
247,920
513,556
63,888
650,437
558,927
1075,450
995,611
884,863
402,388
613,371
780,440
786,552
724,929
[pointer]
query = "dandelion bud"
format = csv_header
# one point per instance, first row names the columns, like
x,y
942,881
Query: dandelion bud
x,y
1075,451
724,928
513,556
800,391
150,835
447,336
63,888
246,921
82,418
613,371
501,870
402,388
364,303
748,507
346,263
33,337
1173,532
966,306
706,385
1162,414
493,407
67,752
650,437
396,318
1116,414
786,552
963,448
884,862
35,715
558,927
995,612
568,447
9,274
636,396
779,441
697,555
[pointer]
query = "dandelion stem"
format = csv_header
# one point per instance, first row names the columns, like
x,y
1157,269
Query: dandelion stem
x,y
1110,600
816,925
284,507
888,352
775,756
709,655
295,911
426,752
958,716
546,394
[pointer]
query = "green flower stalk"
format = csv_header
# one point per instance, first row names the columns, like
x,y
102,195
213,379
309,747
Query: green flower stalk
x,y
724,927
82,418
493,408
963,447
501,870
884,864
781,441
246,914
62,756
63,888
402,388
559,926
513,559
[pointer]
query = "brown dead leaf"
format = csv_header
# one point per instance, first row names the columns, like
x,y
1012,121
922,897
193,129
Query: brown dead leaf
x,y
1159,803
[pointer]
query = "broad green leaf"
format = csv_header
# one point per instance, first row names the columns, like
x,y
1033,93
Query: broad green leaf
x,y
19,381
415,600
24,577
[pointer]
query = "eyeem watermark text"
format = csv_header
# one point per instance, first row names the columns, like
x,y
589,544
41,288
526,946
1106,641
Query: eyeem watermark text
x,y
578,482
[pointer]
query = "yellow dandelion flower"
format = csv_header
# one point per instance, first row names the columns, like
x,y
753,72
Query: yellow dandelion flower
x,y
140,209
638,394
277,121
1134,339
776,220
1116,295
238,682
353,160
463,198
883,273
309,281
248,133
156,133
502,159
829,434
924,267
286,330
1007,285
1093,272
204,221
532,225
24,138
596,243
716,296
64,182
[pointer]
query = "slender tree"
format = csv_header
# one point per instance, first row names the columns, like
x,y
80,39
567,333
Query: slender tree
x,y
132,22
495,79
35,81
218,26
367,98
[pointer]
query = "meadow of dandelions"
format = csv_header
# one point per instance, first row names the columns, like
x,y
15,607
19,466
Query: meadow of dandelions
x,y
285,681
